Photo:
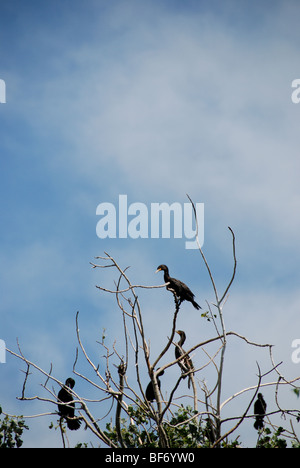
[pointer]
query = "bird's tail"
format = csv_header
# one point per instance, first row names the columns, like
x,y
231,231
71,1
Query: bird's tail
x,y
73,424
259,424
196,305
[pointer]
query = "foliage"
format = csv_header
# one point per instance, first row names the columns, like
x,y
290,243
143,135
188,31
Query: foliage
x,y
182,431
269,440
11,430
138,432
297,391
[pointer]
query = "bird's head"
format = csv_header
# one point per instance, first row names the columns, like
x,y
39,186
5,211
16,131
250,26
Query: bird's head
x,y
181,333
162,268
160,372
70,382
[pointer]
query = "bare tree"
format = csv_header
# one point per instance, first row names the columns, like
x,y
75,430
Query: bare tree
x,y
122,392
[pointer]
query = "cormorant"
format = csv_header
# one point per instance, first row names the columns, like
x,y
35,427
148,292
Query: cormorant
x,y
150,390
260,407
68,411
181,290
186,364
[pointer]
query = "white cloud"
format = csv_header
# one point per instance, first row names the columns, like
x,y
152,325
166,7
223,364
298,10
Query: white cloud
x,y
183,101
188,104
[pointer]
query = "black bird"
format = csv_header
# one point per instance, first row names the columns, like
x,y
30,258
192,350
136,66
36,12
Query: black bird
x,y
150,390
68,411
186,364
260,407
181,290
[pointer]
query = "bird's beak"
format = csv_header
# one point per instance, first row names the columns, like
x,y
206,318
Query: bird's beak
x,y
177,332
158,269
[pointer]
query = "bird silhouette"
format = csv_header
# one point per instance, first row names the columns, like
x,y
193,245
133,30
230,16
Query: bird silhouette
x,y
150,396
181,290
185,364
67,411
260,407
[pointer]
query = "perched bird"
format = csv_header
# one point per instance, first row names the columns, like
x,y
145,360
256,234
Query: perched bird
x,y
181,290
68,411
185,364
150,396
260,407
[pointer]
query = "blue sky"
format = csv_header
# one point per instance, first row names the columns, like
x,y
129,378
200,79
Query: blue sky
x,y
151,99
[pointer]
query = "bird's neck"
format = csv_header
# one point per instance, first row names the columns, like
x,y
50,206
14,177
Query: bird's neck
x,y
181,342
166,276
